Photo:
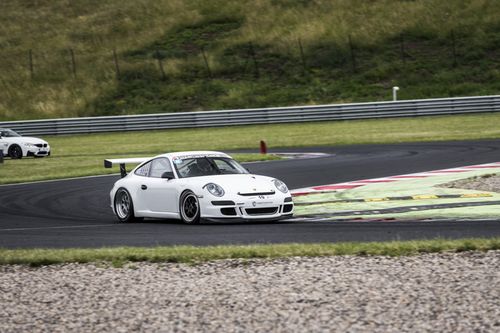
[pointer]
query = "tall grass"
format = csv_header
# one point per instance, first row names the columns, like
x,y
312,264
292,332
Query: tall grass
x,y
176,30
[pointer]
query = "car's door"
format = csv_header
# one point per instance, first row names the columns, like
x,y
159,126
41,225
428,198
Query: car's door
x,y
142,172
160,194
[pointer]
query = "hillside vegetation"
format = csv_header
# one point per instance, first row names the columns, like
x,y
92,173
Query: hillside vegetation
x,y
62,58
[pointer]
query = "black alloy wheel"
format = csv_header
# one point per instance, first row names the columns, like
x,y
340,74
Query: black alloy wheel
x,y
189,208
15,152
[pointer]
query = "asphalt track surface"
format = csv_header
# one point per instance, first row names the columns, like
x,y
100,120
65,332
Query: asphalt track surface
x,y
76,213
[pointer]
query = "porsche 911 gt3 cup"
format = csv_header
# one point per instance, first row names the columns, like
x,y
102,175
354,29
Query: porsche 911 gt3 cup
x,y
196,186
17,146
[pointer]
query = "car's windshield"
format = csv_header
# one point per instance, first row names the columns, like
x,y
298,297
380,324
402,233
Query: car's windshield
x,y
7,133
206,166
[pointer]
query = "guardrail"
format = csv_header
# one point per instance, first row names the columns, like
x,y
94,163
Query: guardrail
x,y
405,108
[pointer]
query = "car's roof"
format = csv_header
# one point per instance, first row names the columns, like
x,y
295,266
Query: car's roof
x,y
200,153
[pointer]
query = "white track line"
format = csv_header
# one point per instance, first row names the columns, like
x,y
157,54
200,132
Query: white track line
x,y
59,180
62,227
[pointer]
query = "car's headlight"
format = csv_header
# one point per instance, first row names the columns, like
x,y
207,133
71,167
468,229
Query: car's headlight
x,y
214,189
29,145
280,185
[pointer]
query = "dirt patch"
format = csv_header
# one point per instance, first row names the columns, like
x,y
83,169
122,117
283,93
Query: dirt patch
x,y
489,182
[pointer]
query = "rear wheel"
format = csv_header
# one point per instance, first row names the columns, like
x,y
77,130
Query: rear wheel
x,y
189,208
15,152
124,207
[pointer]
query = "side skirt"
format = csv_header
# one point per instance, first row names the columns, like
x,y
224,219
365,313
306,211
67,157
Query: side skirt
x,y
160,215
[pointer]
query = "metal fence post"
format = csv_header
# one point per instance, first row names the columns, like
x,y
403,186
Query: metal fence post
x,y
395,93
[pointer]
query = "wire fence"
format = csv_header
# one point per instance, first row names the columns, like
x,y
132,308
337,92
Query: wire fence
x,y
253,59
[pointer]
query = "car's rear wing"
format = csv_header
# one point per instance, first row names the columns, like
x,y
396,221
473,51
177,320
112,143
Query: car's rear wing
x,y
123,161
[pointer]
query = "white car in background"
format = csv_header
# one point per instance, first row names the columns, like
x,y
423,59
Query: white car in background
x,y
16,146
194,186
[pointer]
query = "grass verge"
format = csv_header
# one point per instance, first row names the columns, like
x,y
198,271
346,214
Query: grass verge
x,y
190,254
83,155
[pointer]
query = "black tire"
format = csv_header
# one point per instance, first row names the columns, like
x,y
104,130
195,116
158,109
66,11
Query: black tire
x,y
124,207
189,208
15,152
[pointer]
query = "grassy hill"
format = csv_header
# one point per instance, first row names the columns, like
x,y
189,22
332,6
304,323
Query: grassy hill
x,y
62,58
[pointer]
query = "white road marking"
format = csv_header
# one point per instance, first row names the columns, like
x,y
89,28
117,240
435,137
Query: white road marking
x,y
62,227
59,180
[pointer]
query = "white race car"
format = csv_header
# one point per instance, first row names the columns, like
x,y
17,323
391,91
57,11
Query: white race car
x,y
195,186
17,146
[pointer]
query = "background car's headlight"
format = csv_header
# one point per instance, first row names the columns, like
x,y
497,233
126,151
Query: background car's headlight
x,y
280,185
214,189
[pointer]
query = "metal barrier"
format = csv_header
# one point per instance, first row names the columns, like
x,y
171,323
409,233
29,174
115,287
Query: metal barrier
x,y
406,108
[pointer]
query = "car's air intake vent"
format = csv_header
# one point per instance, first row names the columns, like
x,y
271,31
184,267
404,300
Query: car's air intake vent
x,y
223,203
246,194
287,208
262,211
228,211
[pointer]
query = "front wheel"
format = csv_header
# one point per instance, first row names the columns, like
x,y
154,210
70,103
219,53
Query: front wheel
x,y
15,152
124,207
189,208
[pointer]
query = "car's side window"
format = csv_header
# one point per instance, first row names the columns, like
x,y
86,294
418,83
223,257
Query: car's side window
x,y
143,170
159,167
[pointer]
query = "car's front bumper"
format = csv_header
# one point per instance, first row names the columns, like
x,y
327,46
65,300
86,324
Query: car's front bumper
x,y
36,151
239,208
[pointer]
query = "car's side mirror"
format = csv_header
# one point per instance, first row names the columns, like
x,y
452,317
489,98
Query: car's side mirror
x,y
168,175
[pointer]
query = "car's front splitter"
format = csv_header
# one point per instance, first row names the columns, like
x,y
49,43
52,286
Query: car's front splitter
x,y
249,220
